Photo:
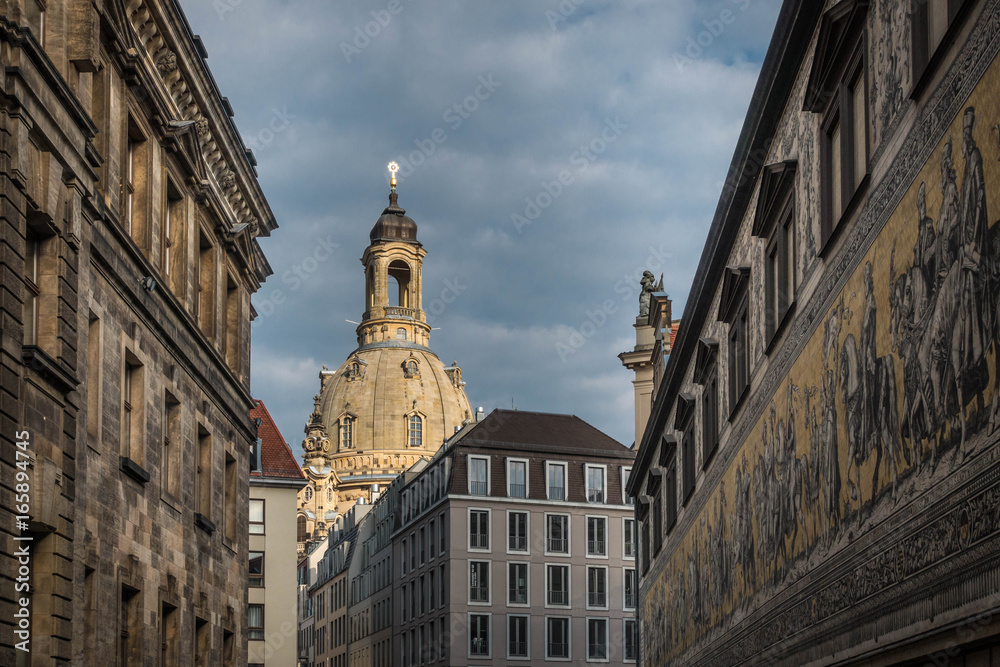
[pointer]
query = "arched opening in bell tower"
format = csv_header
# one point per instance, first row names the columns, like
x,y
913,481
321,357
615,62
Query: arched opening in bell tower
x,y
370,286
399,284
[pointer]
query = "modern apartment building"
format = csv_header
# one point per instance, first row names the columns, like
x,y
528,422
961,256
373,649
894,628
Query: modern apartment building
x,y
517,543
275,480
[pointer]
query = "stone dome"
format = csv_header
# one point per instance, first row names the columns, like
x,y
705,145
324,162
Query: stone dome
x,y
380,386
393,224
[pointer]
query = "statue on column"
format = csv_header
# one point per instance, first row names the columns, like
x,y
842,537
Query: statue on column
x,y
648,285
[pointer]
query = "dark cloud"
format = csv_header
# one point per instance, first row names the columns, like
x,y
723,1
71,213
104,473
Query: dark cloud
x,y
673,79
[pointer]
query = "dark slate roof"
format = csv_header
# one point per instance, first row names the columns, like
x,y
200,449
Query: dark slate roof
x,y
519,427
276,458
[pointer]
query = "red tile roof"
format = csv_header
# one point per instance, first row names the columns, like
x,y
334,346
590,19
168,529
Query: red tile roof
x,y
673,332
276,456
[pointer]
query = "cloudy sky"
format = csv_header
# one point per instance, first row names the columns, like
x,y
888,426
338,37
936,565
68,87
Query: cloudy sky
x,y
635,104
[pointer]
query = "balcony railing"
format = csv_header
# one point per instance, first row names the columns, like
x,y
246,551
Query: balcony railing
x,y
518,649
630,599
558,650
558,597
479,594
598,651
478,488
630,549
557,493
518,491
595,495
557,545
518,543
597,598
480,646
595,547
479,541
518,596
396,311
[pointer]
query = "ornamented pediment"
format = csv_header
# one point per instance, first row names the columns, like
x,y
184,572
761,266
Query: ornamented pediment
x,y
411,367
842,26
355,369
734,286
777,184
708,350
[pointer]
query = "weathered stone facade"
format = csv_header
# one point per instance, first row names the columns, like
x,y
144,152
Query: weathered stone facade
x,y
128,255
817,483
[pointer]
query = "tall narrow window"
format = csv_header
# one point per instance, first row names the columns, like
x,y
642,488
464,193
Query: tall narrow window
x,y
34,11
257,516
478,476
597,530
631,640
255,622
517,479
135,185
687,459
95,378
347,432
231,348
517,583
205,298
628,537
626,499
517,531
557,638
629,588
479,581
557,586
556,473
170,461
517,636
931,20
133,412
231,491
203,477
479,635
415,429
129,627
733,309
557,533
595,484
597,639
173,239
774,221
597,587
256,568
479,529
32,291
168,635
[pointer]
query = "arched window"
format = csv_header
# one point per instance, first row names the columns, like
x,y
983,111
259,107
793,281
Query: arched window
x,y
302,533
347,432
411,367
400,333
329,494
309,493
416,430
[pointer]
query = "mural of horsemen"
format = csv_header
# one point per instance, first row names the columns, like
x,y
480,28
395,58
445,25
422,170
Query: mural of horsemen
x,y
898,386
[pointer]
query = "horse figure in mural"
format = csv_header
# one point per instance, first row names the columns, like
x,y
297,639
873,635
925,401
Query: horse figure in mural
x,y
869,399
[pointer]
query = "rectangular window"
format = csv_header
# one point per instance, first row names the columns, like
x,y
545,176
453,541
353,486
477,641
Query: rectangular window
x,y
402,558
431,536
133,412
255,622
423,589
517,479
517,531
628,536
710,416
626,499
479,476
597,536
168,634
413,551
557,638
441,528
129,628
556,473
597,587
203,475
479,635
256,516
931,20
479,581
171,459
631,640
597,639
557,585
231,349
687,460
479,529
517,636
229,498
671,498
431,590
32,292
204,300
421,545
557,533
517,583
35,17
739,370
845,146
629,589
95,375
174,227
595,484
256,568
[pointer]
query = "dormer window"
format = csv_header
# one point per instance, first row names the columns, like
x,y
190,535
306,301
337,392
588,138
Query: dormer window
x,y
838,90
400,333
775,222
733,309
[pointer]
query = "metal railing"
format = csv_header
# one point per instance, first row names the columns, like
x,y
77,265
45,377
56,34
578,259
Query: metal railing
x,y
557,493
518,596
518,649
479,541
558,597
479,594
480,646
630,548
518,543
595,495
598,651
478,488
558,650
597,599
518,491
557,545
630,599
595,547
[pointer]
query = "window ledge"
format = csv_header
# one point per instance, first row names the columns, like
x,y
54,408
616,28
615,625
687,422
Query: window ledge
x,y
204,523
54,372
134,470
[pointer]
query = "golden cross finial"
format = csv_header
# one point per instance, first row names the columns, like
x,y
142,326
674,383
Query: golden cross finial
x,y
393,168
